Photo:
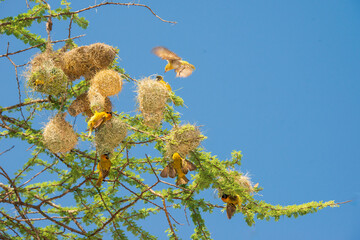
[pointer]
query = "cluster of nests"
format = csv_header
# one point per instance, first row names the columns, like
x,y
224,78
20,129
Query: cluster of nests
x,y
51,72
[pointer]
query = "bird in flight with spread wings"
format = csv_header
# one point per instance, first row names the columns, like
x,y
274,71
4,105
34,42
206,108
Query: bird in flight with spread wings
x,y
181,67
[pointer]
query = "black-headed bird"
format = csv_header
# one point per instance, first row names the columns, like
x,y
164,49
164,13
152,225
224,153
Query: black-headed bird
x,y
161,80
97,119
231,203
179,167
103,166
181,67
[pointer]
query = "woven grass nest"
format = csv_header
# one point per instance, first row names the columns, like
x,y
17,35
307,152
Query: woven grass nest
x,y
151,97
242,179
58,135
87,60
183,140
110,135
82,104
47,78
107,82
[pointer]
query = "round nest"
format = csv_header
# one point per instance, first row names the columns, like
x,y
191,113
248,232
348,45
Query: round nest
x,y
82,105
245,182
153,120
183,140
110,135
152,96
101,55
87,60
45,57
48,79
75,63
107,82
97,102
59,136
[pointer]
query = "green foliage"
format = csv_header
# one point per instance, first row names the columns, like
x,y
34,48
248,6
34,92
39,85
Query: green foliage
x,y
60,190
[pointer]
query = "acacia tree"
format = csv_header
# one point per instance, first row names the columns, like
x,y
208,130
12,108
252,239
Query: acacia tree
x,y
66,202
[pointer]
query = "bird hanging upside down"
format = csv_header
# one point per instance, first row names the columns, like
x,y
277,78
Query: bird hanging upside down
x,y
178,167
97,119
104,166
181,67
232,203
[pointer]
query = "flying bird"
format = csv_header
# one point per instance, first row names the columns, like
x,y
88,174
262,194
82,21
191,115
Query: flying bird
x,y
178,167
181,67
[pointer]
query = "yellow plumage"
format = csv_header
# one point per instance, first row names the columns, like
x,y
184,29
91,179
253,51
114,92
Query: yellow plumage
x,y
97,119
231,203
179,167
161,80
174,62
104,166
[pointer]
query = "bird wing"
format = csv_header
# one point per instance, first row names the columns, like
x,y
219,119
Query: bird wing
x,y
165,172
187,166
172,172
230,210
99,122
184,70
165,53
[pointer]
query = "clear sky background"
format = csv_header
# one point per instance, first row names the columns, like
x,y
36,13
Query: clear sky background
x,y
278,80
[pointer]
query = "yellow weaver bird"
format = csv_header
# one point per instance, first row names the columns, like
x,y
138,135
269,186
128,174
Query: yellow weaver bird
x,y
181,67
231,203
39,82
178,167
103,166
97,119
166,85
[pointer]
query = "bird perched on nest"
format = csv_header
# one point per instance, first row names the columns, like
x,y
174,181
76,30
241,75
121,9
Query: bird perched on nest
x,y
231,203
97,119
104,166
161,79
181,67
180,167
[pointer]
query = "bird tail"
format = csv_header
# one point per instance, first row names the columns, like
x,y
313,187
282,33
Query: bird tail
x,y
99,181
182,180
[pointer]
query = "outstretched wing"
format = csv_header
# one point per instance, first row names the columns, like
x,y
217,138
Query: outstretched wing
x,y
184,70
187,166
165,53
168,171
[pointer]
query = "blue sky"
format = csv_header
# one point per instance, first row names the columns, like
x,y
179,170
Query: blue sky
x,y
278,80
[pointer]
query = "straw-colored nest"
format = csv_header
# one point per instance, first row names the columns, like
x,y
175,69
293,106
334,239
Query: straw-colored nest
x,y
101,55
45,57
110,135
87,60
183,140
48,79
97,102
82,105
152,95
153,120
59,136
107,82
242,179
245,182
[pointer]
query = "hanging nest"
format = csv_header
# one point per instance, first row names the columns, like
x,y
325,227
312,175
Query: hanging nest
x,y
101,55
107,82
110,135
183,140
45,57
153,120
82,105
47,79
97,102
152,97
87,60
59,136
